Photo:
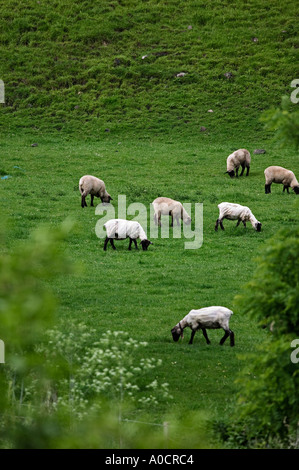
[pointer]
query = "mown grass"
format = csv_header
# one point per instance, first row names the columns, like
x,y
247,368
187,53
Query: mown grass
x,y
146,293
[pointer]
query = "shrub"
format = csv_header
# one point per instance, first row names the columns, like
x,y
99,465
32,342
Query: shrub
x,y
268,402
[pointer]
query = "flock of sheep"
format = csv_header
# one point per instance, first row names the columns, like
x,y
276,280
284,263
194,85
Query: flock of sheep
x,y
119,229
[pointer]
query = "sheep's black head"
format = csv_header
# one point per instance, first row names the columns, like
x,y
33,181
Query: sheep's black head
x,y
145,244
258,226
176,332
231,173
106,198
296,189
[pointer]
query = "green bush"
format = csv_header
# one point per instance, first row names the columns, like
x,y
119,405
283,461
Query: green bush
x,y
268,402
284,121
59,387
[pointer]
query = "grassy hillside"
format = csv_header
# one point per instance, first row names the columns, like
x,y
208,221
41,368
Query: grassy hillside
x,y
114,64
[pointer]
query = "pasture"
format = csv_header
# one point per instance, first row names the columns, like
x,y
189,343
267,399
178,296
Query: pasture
x,y
151,97
147,293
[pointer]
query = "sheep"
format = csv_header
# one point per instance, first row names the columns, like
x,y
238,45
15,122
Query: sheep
x,y
278,174
230,211
205,318
120,229
95,187
236,159
167,206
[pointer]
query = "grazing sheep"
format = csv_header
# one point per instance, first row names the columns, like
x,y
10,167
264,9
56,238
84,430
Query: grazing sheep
x,y
236,159
203,319
120,229
95,187
167,206
230,211
280,175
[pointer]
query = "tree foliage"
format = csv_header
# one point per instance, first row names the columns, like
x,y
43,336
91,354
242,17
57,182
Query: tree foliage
x,y
60,388
284,121
268,401
272,296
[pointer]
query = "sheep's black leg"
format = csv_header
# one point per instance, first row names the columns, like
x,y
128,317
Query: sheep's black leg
x,y
227,334
243,168
232,338
216,225
105,243
135,243
239,220
244,223
130,244
267,188
171,215
91,200
159,218
192,336
221,225
83,204
286,188
237,169
204,332
248,168
112,243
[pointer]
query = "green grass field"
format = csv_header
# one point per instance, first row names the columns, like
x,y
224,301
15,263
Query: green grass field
x,y
147,293
72,73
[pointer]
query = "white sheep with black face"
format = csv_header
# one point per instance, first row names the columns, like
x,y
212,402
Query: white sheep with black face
x,y
167,206
230,211
236,159
280,175
120,229
89,184
205,318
